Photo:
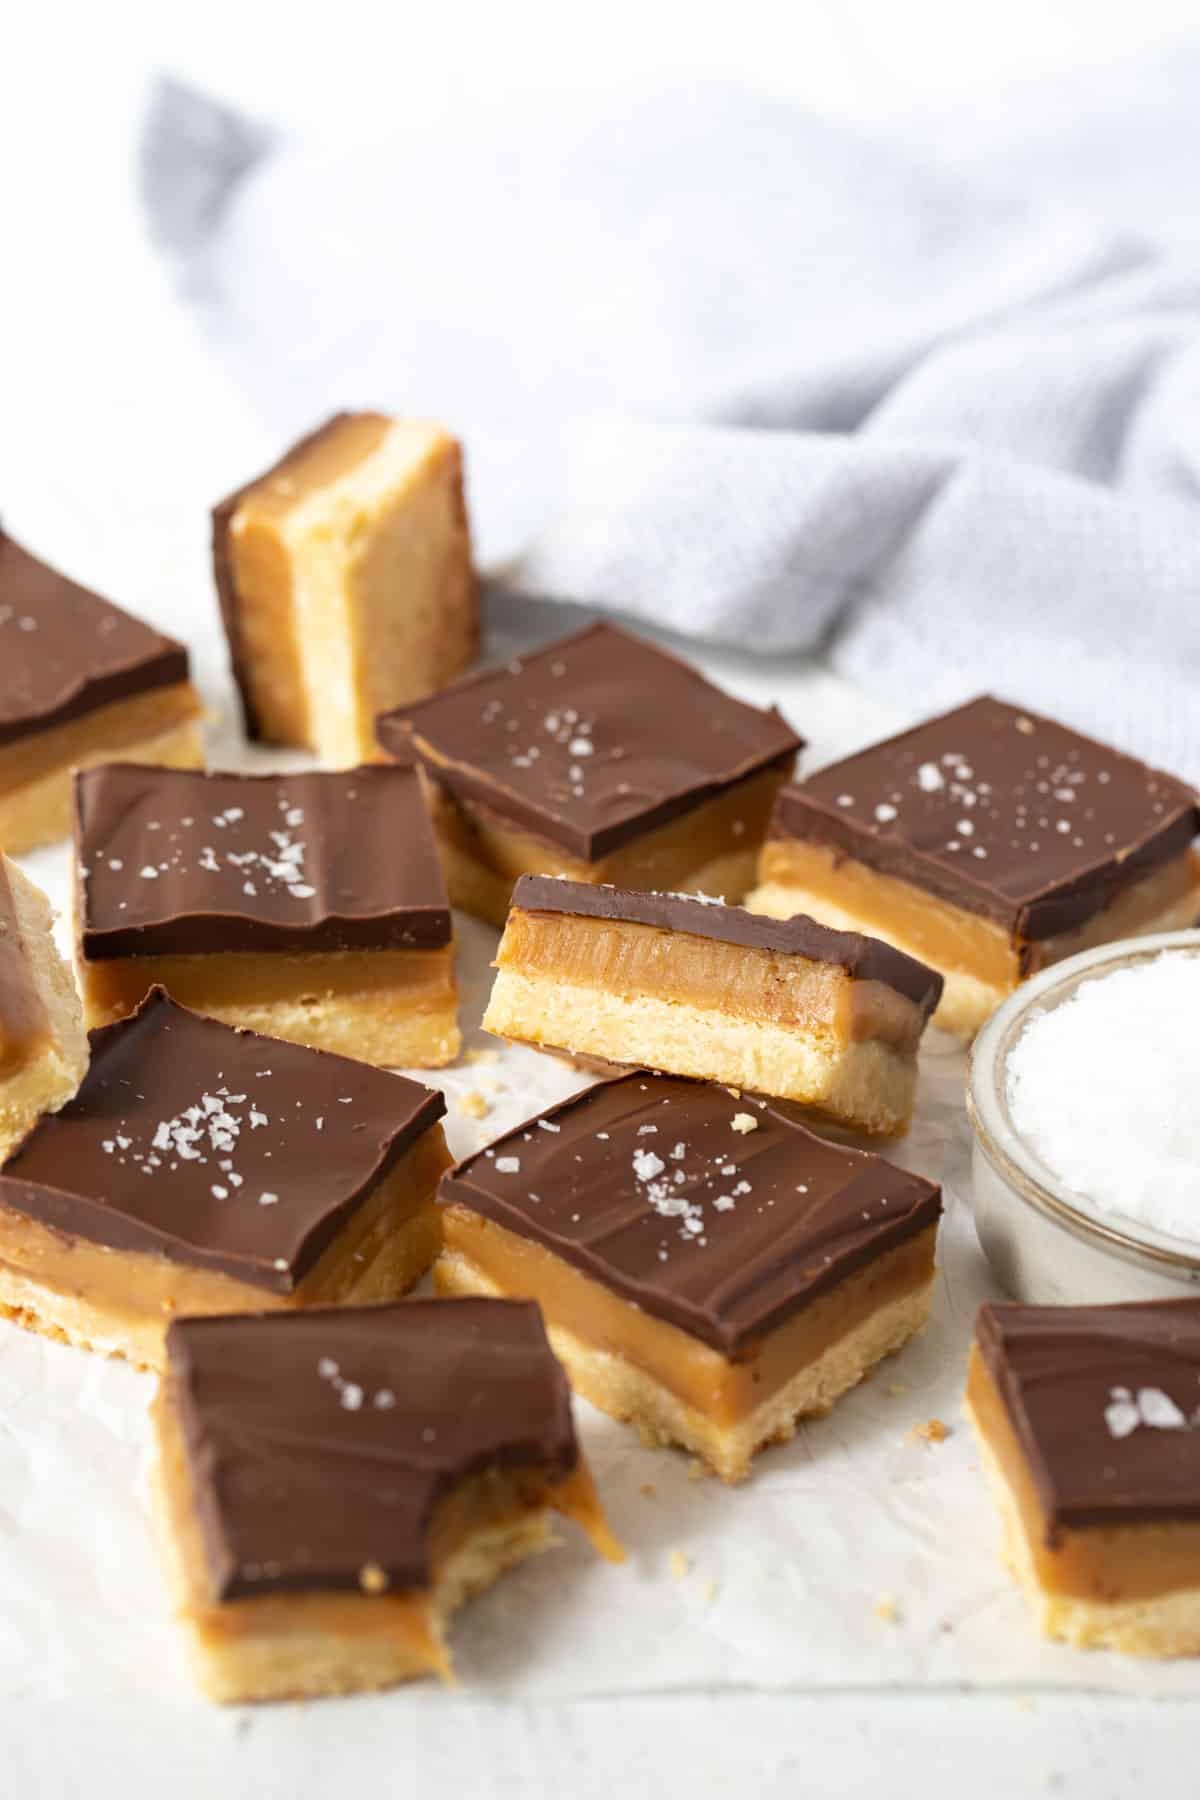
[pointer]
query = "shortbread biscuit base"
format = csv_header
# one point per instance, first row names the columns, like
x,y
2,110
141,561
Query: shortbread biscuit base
x,y
1162,1624
36,773
40,1075
712,849
120,1303
292,1646
626,1391
351,583
865,1084
939,934
394,1008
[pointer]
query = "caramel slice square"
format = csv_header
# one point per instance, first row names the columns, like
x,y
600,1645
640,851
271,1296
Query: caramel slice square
x,y
201,1169
600,758
82,681
707,1268
310,907
1088,1420
829,1019
989,842
43,1047
330,1486
346,583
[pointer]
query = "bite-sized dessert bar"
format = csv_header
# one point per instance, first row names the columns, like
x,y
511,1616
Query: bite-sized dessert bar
x,y
204,1170
311,907
43,1046
345,581
831,1019
600,758
330,1486
1088,1420
706,1267
989,842
80,681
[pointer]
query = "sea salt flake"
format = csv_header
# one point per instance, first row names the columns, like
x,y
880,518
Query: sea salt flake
x,y
507,1165
744,1122
646,1165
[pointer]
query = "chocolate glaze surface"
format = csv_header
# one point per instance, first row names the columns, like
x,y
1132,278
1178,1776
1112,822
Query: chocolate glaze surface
x,y
65,652
589,742
643,1184
998,811
175,862
228,597
320,1443
23,1021
215,1147
1060,1369
863,958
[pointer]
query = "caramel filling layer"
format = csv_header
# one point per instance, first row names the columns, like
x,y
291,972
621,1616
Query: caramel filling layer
x,y
632,959
120,725
129,1288
665,857
422,979
725,1389
480,1504
1138,1560
951,938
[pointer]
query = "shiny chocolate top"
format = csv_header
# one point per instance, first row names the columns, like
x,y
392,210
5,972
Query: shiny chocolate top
x,y
214,1147
65,652
723,1216
23,1021
1105,1401
589,742
319,1443
175,862
863,958
1000,812
228,597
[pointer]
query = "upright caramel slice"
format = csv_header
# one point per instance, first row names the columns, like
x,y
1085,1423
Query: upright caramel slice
x,y
43,1047
345,581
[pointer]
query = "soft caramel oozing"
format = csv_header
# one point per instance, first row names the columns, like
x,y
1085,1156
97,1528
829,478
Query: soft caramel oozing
x,y
725,1389
422,979
1137,1560
390,1239
633,959
479,1504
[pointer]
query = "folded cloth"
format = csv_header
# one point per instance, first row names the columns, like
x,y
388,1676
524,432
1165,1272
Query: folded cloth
x,y
762,380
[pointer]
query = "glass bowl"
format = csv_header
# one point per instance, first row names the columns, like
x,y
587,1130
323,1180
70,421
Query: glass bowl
x,y
1047,1244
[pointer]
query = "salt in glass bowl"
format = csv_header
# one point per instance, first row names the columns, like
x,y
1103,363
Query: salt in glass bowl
x,y
1047,1244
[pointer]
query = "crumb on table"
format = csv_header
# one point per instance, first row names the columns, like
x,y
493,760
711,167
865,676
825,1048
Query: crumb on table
x,y
473,1104
679,1564
931,1431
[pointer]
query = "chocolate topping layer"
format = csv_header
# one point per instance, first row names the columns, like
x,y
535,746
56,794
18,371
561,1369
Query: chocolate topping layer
x,y
1105,1401
998,811
23,1021
589,742
65,652
320,1443
644,1184
174,862
215,1147
863,958
228,597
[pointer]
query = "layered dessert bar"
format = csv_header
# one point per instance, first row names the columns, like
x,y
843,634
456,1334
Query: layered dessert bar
x,y
43,1046
707,1268
600,758
311,907
830,1019
82,681
989,842
1088,1420
330,1486
345,581
201,1169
